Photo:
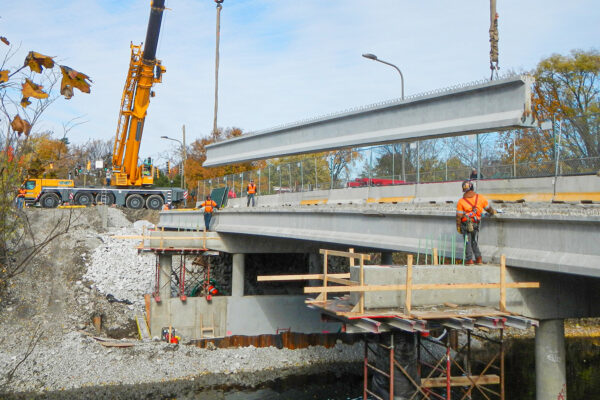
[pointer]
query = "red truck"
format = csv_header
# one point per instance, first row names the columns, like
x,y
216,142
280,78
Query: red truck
x,y
361,182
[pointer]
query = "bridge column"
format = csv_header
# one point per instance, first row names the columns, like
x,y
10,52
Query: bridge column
x,y
386,258
237,275
315,266
550,374
164,283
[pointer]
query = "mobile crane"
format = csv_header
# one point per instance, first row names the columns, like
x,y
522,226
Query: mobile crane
x,y
132,182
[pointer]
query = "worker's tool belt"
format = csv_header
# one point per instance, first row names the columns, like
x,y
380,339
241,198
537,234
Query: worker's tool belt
x,y
472,222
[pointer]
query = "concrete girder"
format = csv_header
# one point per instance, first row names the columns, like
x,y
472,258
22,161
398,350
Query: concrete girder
x,y
485,107
554,243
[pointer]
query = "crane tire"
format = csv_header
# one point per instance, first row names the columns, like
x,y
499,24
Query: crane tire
x,y
49,200
154,202
105,198
134,201
84,199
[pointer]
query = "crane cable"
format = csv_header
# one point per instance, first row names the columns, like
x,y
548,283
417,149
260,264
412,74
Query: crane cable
x,y
493,40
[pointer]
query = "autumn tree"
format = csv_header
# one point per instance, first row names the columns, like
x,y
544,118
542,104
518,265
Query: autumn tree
x,y
26,91
566,92
196,156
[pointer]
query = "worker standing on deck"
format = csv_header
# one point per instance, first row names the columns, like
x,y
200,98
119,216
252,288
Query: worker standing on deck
x,y
468,217
209,206
251,192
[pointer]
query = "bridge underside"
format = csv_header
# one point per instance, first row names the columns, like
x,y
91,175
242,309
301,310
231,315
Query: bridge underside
x,y
490,106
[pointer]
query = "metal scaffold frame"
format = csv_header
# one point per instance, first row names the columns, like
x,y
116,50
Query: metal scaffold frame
x,y
446,378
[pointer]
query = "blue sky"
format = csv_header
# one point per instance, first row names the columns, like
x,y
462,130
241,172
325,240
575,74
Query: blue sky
x,y
282,60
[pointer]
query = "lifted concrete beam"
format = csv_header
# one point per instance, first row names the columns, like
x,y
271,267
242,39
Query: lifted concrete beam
x,y
484,107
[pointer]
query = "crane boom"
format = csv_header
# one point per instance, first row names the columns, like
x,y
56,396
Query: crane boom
x,y
144,71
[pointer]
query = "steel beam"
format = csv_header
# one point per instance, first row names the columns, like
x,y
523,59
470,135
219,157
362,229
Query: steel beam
x,y
408,325
484,107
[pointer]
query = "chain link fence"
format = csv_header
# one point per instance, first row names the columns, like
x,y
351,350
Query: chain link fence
x,y
397,164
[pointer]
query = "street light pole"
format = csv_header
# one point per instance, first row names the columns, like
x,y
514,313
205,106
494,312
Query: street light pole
x,y
374,58
183,155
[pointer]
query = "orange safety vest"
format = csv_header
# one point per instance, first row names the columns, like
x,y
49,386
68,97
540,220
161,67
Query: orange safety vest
x,y
165,207
471,210
208,206
251,188
21,193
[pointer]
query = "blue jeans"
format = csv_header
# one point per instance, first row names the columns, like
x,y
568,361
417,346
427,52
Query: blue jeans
x,y
20,202
250,196
207,217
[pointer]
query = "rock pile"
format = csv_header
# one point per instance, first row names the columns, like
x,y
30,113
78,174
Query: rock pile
x,y
116,268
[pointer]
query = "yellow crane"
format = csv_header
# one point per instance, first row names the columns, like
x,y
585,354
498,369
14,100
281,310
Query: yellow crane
x,y
144,71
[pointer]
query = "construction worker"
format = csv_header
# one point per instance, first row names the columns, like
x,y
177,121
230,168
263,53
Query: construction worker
x,y
209,206
251,192
108,177
21,198
468,217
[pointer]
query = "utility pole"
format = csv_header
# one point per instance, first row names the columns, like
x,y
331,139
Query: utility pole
x,y
219,7
184,159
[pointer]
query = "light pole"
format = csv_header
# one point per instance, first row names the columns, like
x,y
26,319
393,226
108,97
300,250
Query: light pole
x,y
218,39
183,155
374,58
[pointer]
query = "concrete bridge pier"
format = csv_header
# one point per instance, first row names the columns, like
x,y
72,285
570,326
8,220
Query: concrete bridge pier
x,y
237,275
165,262
550,357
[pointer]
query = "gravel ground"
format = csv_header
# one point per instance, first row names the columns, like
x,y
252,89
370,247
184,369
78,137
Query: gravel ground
x,y
78,360
73,280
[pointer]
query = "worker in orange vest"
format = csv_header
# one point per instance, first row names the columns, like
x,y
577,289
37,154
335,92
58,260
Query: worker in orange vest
x,y
468,217
21,198
209,207
251,192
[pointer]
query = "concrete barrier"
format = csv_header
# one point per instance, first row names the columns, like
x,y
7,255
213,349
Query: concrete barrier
x,y
584,188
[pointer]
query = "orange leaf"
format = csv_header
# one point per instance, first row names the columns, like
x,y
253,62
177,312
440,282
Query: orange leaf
x,y
25,102
36,61
20,125
73,79
4,76
31,89
4,40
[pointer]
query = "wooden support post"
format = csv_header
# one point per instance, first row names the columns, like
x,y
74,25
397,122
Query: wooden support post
x,y
502,282
362,283
324,293
408,299
435,256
